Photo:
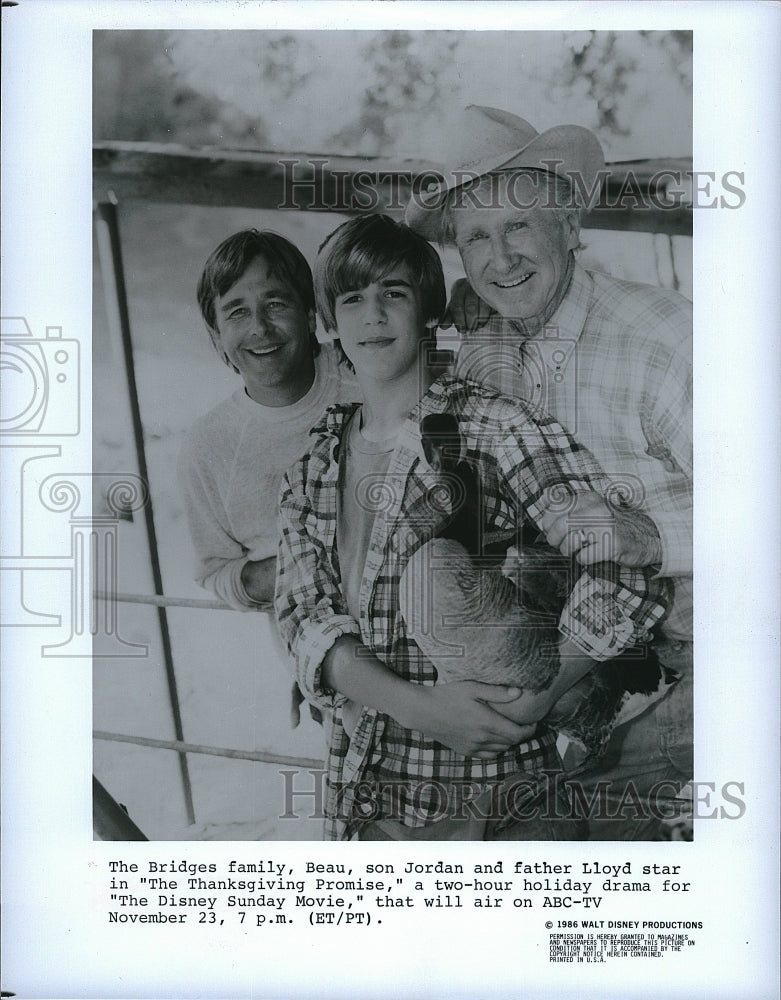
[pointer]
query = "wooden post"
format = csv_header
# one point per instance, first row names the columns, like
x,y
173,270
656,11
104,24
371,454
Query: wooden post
x,y
110,253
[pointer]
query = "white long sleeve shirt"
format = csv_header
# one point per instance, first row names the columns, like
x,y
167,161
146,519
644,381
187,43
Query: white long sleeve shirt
x,y
230,470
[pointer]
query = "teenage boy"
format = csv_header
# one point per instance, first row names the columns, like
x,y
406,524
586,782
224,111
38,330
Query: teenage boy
x,y
257,300
410,758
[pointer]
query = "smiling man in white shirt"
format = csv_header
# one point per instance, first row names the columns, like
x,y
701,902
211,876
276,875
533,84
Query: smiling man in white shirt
x,y
257,301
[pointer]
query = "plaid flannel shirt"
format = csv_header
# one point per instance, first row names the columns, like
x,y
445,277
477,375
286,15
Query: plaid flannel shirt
x,y
520,456
614,366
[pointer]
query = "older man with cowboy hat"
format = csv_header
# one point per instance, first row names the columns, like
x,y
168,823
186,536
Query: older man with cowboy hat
x,y
611,361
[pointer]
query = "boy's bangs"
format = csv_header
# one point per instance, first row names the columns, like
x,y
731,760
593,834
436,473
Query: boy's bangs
x,y
366,250
363,265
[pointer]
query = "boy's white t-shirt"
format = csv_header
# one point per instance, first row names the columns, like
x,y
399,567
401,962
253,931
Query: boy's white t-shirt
x,y
362,468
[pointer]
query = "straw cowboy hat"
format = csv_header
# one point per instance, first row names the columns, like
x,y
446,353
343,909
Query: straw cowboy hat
x,y
488,139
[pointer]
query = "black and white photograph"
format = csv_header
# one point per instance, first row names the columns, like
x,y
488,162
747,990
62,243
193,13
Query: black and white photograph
x,y
335,140
376,390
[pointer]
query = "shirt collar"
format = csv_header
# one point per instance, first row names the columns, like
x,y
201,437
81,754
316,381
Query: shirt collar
x,y
558,338
437,399
334,419
573,309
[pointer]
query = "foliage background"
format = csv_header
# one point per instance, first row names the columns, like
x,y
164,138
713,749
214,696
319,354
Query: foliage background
x,y
390,92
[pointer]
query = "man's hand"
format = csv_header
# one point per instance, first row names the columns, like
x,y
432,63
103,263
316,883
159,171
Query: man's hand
x,y
594,531
257,578
465,716
466,310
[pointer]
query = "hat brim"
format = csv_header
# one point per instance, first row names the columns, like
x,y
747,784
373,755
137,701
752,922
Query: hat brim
x,y
568,150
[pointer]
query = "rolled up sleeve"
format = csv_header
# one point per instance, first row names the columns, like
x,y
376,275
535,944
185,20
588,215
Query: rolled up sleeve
x,y
676,535
309,604
611,607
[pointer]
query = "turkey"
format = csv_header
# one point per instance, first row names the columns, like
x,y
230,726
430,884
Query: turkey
x,y
475,623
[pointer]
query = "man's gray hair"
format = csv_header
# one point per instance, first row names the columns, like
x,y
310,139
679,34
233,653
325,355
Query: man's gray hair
x,y
557,195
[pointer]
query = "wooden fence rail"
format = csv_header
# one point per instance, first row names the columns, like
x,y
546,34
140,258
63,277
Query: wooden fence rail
x,y
325,182
182,746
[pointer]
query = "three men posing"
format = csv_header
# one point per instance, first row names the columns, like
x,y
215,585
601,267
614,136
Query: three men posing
x,y
611,360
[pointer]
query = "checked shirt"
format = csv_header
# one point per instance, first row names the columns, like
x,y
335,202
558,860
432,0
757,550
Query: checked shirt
x,y
520,456
614,366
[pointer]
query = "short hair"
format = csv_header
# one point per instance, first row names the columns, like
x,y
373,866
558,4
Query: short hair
x,y
228,262
363,250
559,197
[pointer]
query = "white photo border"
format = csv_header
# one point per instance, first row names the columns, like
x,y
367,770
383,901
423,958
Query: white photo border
x,y
57,942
